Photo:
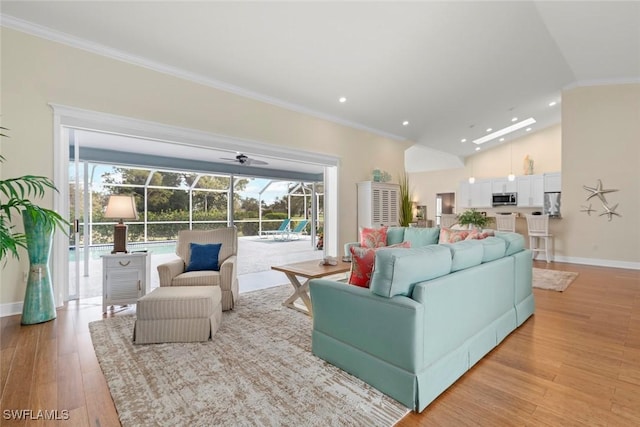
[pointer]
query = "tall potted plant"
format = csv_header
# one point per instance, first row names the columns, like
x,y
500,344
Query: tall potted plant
x,y
406,206
39,225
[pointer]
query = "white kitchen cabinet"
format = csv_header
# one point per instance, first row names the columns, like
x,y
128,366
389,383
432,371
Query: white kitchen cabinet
x,y
125,278
463,198
530,190
552,182
481,193
503,185
378,204
476,195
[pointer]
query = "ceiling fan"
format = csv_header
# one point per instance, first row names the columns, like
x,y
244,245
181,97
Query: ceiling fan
x,y
245,160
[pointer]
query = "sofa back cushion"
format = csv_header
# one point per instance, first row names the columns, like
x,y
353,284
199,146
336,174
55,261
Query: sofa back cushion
x,y
396,271
514,241
494,248
421,236
395,235
465,254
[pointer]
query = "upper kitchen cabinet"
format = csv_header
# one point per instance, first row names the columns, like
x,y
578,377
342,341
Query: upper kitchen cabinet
x,y
552,182
530,190
476,195
503,185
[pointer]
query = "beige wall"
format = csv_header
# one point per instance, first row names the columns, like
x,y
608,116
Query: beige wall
x,y
601,140
36,72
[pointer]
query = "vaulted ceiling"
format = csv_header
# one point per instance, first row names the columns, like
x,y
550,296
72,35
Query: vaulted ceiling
x,y
451,70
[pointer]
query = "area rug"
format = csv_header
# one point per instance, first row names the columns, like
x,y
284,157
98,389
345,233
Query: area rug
x,y
258,370
552,279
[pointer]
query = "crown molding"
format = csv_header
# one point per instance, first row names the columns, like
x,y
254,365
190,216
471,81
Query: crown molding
x,y
17,24
602,82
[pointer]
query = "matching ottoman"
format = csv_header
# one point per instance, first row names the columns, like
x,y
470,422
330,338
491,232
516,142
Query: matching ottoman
x,y
178,314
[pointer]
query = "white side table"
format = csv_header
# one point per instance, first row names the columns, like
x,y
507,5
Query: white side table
x,y
125,278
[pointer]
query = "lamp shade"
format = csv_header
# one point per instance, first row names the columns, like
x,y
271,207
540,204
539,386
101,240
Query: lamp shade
x,y
121,207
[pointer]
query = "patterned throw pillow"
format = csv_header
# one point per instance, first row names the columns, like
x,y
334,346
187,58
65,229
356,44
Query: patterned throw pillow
x,y
448,235
373,237
362,260
478,235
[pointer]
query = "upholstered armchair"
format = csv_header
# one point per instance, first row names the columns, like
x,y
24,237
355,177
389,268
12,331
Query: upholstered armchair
x,y
191,271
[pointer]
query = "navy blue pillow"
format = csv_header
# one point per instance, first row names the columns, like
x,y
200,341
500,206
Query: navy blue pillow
x,y
204,257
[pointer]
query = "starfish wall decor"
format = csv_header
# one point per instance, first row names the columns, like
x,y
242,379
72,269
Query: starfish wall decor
x,y
600,192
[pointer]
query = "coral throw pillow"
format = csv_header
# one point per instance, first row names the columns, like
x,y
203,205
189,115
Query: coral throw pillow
x,y
373,237
448,235
362,260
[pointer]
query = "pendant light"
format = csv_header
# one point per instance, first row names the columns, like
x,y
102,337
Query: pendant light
x,y
471,177
511,176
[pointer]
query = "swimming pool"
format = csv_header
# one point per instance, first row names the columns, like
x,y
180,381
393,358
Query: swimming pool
x,y
96,251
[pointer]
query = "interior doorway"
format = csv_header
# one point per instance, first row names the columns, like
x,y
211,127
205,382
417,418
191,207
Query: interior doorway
x,y
445,204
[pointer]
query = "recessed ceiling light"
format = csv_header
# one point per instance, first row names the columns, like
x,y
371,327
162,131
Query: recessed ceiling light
x,y
501,139
528,129
342,99
477,148
405,123
463,140
489,129
504,131
514,119
552,103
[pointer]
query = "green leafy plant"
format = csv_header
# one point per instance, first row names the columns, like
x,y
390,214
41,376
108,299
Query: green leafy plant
x,y
406,206
474,218
15,195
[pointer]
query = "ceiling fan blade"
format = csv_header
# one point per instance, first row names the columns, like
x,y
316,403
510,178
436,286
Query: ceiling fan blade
x,y
227,158
256,162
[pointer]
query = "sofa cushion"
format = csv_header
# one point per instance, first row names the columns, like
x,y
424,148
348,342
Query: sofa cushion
x,y
465,254
362,263
395,235
373,237
421,236
448,235
514,241
396,271
494,248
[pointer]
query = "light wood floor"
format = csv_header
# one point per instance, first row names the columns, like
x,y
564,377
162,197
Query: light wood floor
x,y
576,362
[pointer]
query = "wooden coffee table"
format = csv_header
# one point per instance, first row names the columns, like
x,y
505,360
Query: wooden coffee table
x,y
309,270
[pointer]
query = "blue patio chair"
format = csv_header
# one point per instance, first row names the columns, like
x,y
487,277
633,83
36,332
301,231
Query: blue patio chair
x,y
280,231
298,230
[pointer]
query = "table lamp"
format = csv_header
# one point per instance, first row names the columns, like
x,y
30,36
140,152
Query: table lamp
x,y
121,208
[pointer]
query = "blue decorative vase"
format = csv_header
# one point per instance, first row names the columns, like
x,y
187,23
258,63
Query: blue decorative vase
x,y
39,304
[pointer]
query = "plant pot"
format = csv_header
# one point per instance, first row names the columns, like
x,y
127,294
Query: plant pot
x,y
39,304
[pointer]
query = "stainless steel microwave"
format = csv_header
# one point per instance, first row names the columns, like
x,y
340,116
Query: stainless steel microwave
x,y
504,199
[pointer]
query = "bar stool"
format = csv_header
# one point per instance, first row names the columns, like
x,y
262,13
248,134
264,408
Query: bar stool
x,y
447,220
538,226
506,223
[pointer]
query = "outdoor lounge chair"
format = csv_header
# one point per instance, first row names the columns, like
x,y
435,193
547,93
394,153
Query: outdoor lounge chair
x,y
298,230
280,231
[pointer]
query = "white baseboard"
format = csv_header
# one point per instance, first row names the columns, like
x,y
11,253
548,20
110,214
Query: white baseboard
x,y
11,308
599,262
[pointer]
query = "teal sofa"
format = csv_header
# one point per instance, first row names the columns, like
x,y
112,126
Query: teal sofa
x,y
430,314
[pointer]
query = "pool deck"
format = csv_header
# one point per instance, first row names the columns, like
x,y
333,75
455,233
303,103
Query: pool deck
x,y
255,258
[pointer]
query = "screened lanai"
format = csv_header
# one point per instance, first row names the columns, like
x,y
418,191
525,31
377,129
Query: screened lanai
x,y
169,200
